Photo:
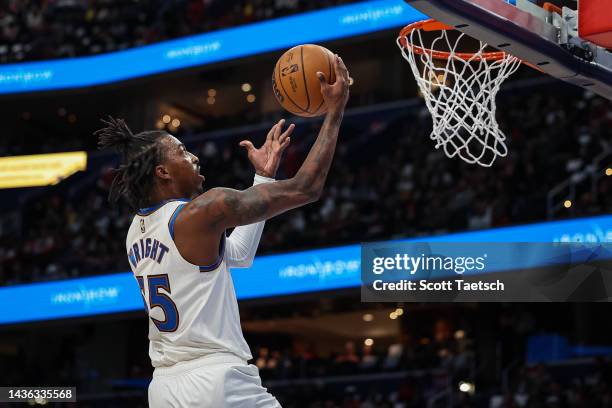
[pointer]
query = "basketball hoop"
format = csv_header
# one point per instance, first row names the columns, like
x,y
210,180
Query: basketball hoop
x,y
459,88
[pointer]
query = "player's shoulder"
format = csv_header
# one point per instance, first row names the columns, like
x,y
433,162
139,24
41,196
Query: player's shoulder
x,y
162,212
161,208
209,207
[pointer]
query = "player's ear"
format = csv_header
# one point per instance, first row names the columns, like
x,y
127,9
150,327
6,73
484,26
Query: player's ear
x,y
162,172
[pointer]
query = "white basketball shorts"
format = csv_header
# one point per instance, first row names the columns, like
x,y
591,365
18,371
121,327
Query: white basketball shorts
x,y
215,381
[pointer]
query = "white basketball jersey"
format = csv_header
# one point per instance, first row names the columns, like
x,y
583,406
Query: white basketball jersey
x,y
192,309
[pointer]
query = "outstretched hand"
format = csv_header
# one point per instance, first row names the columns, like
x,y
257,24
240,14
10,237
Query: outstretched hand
x,y
266,159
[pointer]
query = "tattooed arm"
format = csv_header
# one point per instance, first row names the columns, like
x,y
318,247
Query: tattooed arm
x,y
210,214
223,208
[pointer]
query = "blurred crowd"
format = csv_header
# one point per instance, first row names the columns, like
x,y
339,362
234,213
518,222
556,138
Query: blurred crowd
x,y
552,386
387,181
436,348
454,354
396,371
542,387
415,369
44,29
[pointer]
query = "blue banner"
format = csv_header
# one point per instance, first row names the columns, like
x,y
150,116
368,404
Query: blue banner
x,y
340,267
274,275
70,298
197,50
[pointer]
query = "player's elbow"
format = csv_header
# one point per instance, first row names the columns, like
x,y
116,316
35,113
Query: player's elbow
x,y
310,195
314,195
308,191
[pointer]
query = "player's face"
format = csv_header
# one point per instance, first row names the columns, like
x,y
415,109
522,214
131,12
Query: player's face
x,y
183,167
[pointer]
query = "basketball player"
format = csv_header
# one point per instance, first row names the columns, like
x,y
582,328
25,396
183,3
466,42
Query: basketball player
x,y
180,256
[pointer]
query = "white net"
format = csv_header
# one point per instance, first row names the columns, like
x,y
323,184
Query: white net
x,y
459,89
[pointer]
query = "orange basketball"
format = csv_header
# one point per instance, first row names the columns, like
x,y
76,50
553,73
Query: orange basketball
x,y
295,83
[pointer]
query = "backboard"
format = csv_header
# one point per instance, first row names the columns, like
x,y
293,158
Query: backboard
x,y
547,38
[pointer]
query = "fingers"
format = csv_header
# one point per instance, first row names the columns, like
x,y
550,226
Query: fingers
x,y
286,134
341,71
247,145
322,82
278,129
322,78
271,133
285,143
274,133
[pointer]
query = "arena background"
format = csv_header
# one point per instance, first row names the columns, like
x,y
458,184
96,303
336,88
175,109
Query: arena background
x,y
315,342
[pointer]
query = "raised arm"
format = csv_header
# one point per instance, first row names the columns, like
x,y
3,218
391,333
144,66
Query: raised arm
x,y
211,213
222,208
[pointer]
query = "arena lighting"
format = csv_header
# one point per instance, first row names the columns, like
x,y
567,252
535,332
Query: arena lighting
x,y
467,387
250,98
392,315
567,203
368,317
212,92
368,342
40,401
210,100
399,311
246,87
609,171
176,123
459,334
166,119
40,169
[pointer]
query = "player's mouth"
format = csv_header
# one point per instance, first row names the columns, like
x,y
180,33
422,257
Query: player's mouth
x,y
198,173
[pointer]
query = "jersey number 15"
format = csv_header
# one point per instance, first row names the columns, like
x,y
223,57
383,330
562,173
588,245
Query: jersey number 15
x,y
159,299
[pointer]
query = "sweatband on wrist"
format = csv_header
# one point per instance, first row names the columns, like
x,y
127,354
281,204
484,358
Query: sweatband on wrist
x,y
262,179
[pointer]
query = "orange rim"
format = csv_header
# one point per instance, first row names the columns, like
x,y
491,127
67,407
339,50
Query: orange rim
x,y
552,8
435,25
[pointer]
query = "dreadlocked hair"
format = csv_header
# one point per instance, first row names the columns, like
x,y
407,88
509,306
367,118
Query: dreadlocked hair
x,y
140,154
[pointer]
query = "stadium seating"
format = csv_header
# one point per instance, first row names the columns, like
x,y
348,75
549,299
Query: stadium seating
x,y
41,29
385,183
